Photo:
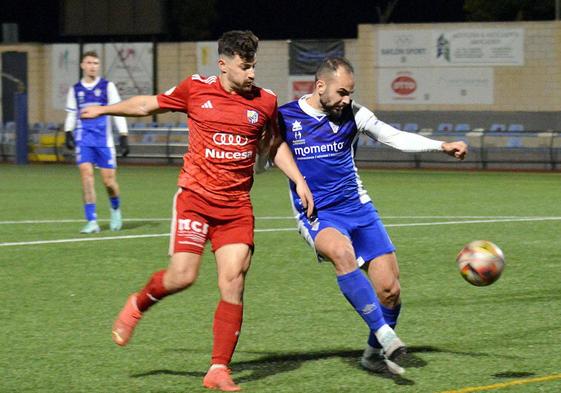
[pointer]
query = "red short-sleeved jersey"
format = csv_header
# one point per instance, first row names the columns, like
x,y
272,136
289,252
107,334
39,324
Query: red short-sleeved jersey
x,y
224,130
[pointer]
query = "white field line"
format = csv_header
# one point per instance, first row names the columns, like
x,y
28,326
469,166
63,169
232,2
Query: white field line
x,y
89,239
519,219
15,222
106,219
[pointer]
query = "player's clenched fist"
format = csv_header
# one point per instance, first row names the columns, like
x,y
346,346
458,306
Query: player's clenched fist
x,y
91,112
456,149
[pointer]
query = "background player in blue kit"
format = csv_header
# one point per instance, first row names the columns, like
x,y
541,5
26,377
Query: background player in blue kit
x,y
320,129
93,140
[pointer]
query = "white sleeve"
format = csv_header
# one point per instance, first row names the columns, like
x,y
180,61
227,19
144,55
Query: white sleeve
x,y
70,122
369,124
112,98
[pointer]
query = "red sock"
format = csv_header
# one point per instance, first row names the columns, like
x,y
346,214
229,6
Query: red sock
x,y
227,325
152,292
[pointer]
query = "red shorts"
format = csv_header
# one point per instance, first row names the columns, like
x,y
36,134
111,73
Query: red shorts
x,y
196,220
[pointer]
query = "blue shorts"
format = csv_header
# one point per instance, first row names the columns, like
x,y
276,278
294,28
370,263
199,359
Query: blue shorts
x,y
359,222
102,157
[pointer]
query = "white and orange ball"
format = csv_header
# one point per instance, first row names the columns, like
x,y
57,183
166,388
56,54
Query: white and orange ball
x,y
481,262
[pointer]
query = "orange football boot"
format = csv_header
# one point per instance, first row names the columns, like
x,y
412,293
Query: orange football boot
x,y
219,378
126,322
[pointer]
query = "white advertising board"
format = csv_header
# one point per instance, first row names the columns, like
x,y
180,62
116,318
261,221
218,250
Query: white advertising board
x,y
435,85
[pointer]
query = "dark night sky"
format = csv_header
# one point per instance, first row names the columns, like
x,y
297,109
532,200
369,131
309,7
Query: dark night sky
x,y
330,19
269,19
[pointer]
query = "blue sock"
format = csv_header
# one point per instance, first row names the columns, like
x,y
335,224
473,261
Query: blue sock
x,y
115,202
359,292
89,210
390,316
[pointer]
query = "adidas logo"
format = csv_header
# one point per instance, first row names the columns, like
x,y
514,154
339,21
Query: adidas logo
x,y
207,105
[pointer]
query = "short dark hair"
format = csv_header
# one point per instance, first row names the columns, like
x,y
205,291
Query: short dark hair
x,y
237,42
331,65
90,53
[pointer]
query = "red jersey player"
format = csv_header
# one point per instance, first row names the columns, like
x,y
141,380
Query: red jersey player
x,y
229,118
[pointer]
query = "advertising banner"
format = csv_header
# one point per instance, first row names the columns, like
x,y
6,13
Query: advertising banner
x,y
65,72
299,85
436,85
130,67
399,48
305,55
479,47
462,47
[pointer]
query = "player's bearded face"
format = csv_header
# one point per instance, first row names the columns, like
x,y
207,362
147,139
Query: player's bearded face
x,y
240,73
337,94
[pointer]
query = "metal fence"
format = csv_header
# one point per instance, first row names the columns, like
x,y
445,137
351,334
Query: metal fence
x,y
487,150
167,144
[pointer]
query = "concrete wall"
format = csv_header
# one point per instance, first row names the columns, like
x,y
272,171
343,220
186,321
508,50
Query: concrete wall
x,y
37,76
533,88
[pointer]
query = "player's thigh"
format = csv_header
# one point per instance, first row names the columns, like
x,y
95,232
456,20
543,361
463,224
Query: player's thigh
x,y
371,240
232,261
87,175
331,243
232,244
85,154
189,228
105,157
237,229
182,271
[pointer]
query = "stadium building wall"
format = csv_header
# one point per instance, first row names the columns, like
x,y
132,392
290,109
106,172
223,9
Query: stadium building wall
x,y
533,88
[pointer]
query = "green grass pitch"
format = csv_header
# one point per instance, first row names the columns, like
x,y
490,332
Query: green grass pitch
x,y
58,299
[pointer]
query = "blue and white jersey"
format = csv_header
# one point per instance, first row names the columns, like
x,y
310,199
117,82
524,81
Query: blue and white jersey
x,y
96,132
323,150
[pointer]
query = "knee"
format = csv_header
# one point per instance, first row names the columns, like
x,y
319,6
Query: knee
x,y
179,279
109,182
232,288
344,259
88,177
232,282
389,295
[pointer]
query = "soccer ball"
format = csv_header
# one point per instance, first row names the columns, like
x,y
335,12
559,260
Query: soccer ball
x,y
481,262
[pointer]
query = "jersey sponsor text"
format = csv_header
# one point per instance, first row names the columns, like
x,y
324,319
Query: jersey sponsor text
x,y
305,151
229,155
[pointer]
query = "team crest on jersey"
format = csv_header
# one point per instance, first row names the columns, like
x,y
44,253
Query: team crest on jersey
x,y
97,92
296,128
252,116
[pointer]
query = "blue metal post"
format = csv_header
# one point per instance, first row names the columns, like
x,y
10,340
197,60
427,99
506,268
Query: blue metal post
x,y
21,128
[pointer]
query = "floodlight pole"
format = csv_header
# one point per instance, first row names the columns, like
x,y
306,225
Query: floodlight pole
x,y
22,149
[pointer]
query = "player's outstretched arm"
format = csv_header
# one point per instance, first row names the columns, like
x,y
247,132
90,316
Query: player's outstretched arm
x,y
285,162
137,106
456,149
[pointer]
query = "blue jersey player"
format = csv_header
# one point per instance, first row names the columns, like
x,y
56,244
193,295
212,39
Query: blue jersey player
x,y
93,140
320,129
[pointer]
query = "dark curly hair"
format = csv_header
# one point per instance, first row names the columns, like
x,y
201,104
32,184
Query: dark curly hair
x,y
237,42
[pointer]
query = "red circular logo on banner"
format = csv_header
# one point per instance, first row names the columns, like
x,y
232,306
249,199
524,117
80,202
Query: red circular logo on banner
x,y
404,85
